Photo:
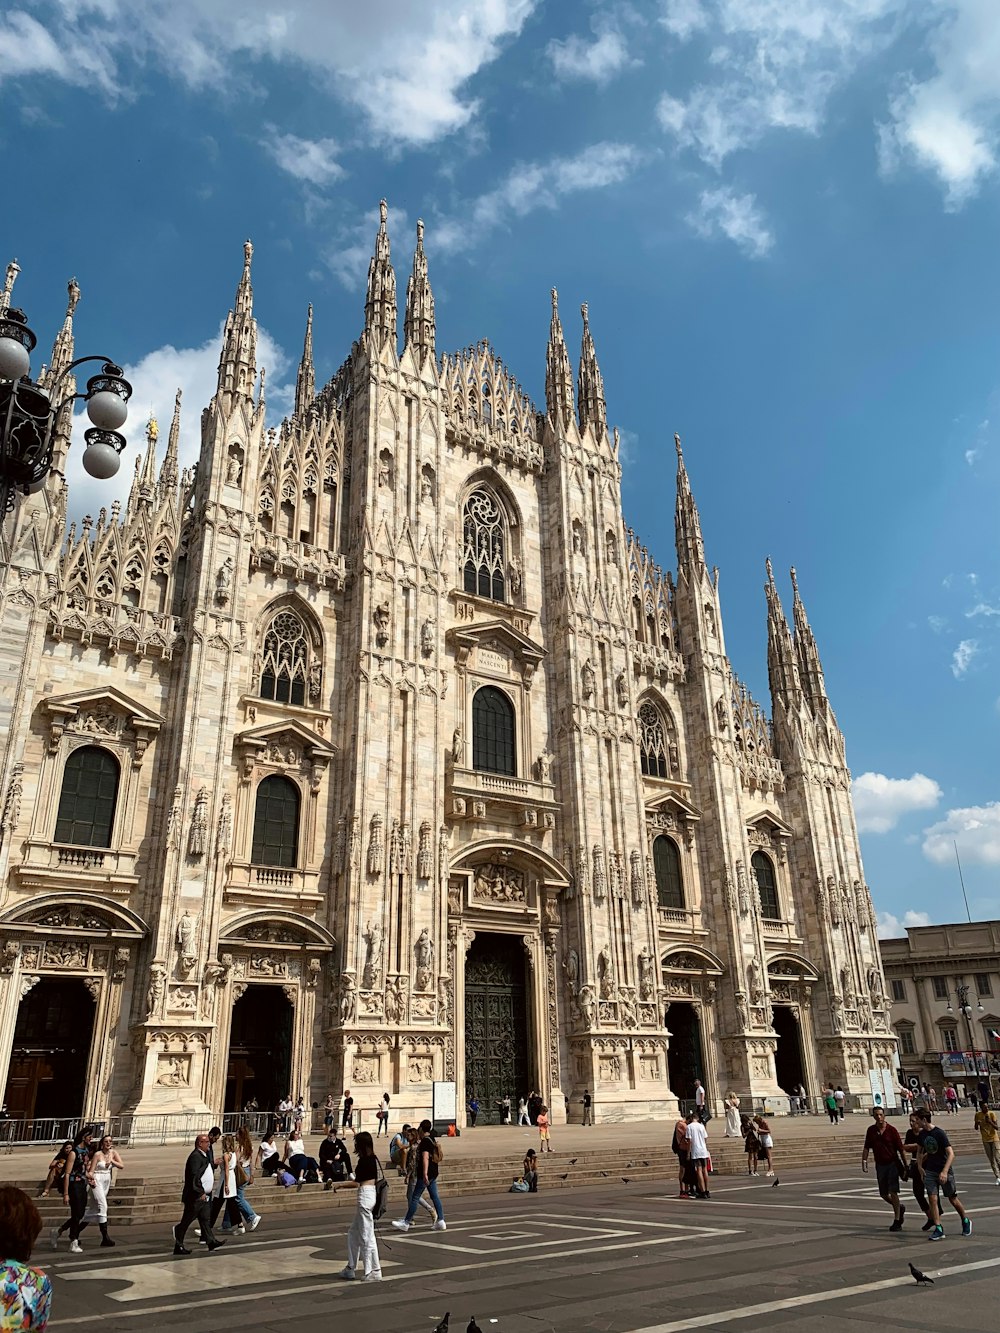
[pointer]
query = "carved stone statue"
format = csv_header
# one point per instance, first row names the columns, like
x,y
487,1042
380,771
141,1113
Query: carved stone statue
x,y
753,982
427,636
224,581
621,689
514,575
198,839
233,471
587,1002
373,956
348,999
458,746
424,949
875,987
156,991
187,929
604,973
543,766
588,680
647,973
571,966
381,617
375,848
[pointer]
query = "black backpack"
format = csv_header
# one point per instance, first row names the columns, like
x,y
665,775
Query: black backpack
x,y
381,1193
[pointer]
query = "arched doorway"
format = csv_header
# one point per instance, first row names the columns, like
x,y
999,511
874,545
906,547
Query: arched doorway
x,y
50,1051
260,1049
788,1065
684,1056
497,1060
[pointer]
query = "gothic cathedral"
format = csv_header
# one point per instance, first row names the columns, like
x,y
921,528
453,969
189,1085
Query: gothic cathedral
x,y
374,750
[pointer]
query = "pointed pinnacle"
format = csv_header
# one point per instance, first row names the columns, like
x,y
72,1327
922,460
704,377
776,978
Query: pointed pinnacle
x,y
770,571
383,212
73,288
677,446
795,581
420,233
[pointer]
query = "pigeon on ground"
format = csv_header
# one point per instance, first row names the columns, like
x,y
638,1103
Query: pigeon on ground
x,y
776,1184
921,1278
626,1180
645,1164
629,1166
443,1326
473,1326
604,1173
564,1176
573,1161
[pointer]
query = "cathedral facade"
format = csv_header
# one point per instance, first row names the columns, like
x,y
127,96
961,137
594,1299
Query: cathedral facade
x,y
375,750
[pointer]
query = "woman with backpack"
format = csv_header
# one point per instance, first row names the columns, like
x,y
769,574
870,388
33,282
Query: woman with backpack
x,y
428,1161
362,1247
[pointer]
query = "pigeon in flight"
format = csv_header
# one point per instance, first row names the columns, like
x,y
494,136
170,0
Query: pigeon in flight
x,y
443,1326
921,1278
473,1326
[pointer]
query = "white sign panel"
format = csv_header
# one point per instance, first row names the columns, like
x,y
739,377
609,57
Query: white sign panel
x,y
444,1101
889,1088
878,1092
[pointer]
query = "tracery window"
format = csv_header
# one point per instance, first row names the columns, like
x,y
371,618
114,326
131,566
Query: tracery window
x,y
276,823
484,559
654,755
767,886
493,732
667,869
88,798
287,674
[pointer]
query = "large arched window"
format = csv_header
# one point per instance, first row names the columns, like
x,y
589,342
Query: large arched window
x,y
493,732
484,554
289,671
767,886
88,798
654,756
667,869
276,824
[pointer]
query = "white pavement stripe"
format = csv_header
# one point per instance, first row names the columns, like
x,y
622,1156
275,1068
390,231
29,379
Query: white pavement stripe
x,y
408,1276
808,1298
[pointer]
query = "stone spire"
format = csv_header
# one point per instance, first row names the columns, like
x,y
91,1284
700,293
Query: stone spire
x,y
380,303
558,375
687,523
590,384
238,363
418,323
305,380
782,667
169,470
147,475
810,667
13,269
62,348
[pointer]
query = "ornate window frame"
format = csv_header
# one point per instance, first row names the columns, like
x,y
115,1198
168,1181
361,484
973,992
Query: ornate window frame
x,y
677,819
507,564
668,761
312,671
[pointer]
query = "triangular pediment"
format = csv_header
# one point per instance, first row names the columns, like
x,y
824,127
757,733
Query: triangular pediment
x,y
480,636
672,801
767,816
105,697
285,729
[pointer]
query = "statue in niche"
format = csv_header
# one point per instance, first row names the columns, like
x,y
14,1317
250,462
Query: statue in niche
x,y
589,679
577,539
424,951
710,624
156,991
604,967
444,1000
427,636
315,680
198,840
234,471
187,929
621,689
385,468
458,746
753,982
875,987
544,766
612,549
571,966
587,1002
647,973
427,485
224,581
514,575
373,956
348,999
380,617
375,849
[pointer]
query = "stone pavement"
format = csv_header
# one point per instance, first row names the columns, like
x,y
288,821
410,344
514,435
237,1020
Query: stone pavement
x,y
816,1253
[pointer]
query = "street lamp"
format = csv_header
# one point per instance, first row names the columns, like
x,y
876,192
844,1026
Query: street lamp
x,y
962,996
28,414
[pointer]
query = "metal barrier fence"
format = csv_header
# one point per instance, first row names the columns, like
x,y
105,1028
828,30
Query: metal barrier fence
x,y
132,1131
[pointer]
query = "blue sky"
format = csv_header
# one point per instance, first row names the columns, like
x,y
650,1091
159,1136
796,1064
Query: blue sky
x,y
783,215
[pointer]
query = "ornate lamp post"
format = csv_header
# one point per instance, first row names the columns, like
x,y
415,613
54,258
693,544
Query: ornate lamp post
x,y
28,414
962,996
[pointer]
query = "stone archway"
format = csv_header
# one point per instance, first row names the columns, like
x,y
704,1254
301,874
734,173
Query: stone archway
x,y
498,1057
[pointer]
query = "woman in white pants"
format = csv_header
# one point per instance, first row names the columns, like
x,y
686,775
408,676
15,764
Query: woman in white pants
x,y
362,1247
99,1185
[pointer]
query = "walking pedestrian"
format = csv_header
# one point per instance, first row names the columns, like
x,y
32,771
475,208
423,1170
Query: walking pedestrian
x,y
932,1099
412,1171
698,1154
588,1104
329,1110
732,1117
522,1112
25,1293
911,1148
243,1215
382,1116
505,1110
429,1157
699,1099
679,1147
830,1102
766,1142
951,1099
284,1113
224,1192
751,1144
362,1246
103,1161
882,1142
542,1121
75,1190
472,1106
840,1097
347,1121
195,1195
803,1097
986,1123
937,1158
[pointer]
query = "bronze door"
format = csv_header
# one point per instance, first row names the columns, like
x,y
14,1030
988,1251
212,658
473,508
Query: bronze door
x,y
496,1022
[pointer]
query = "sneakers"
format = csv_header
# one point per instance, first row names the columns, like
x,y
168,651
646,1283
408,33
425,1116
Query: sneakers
x,y
937,1233
75,1247
347,1274
440,1225
966,1226
54,1237
254,1222
766,1173
898,1223
239,1231
401,1224
374,1277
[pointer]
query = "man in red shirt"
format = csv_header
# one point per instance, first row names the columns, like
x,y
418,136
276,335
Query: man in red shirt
x,y
884,1144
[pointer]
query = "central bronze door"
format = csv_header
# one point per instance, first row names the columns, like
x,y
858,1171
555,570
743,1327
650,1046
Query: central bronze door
x,y
497,1061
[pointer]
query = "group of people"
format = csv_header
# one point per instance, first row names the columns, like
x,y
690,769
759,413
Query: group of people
x,y
694,1160
926,1158
83,1172
216,1174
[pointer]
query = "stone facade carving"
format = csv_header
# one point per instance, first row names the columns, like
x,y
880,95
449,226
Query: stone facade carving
x,y
498,884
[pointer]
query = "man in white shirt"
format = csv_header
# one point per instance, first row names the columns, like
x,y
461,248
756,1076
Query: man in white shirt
x,y
698,1154
840,1096
699,1099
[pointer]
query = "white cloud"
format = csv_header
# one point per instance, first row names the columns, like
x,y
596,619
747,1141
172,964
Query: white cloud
x,y
982,609
891,928
406,67
773,64
736,216
880,802
313,161
948,122
155,379
961,658
976,829
937,623
595,61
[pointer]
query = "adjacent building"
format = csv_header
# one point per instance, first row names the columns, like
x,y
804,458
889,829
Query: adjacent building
x,y
376,750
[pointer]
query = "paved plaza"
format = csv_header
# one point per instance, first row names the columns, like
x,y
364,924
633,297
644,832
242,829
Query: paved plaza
x,y
815,1252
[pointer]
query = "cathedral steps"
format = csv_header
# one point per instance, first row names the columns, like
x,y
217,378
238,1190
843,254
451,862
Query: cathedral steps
x,y
149,1198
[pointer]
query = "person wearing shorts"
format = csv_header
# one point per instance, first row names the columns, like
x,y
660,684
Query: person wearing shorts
x,y
884,1144
936,1160
766,1142
542,1121
911,1147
